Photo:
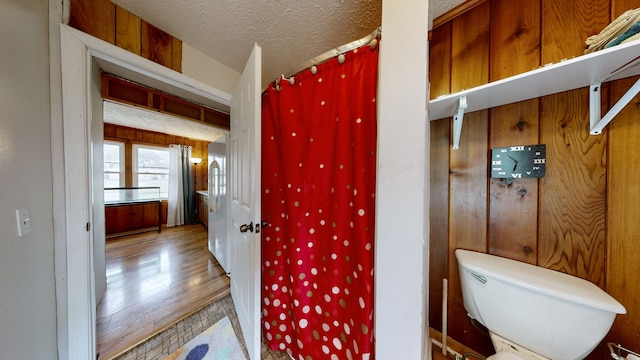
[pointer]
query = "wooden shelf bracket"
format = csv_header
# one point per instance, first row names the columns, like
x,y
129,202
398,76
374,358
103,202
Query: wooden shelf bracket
x,y
457,121
598,123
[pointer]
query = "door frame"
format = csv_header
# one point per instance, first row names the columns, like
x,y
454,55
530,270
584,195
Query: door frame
x,y
80,55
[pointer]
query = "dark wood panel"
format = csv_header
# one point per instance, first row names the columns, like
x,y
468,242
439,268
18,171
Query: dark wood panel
x,y
623,226
470,49
128,31
157,45
515,37
438,217
176,52
573,203
440,61
571,235
566,25
468,220
513,203
94,17
468,166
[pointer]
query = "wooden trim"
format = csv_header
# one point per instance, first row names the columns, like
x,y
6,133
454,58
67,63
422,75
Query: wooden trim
x,y
455,12
127,92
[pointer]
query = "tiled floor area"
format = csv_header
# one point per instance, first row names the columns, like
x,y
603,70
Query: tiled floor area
x,y
180,333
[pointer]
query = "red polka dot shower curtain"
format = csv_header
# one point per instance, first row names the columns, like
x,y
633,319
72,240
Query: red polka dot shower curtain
x,y
318,196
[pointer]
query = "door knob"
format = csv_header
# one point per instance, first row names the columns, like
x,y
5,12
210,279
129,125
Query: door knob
x,y
246,227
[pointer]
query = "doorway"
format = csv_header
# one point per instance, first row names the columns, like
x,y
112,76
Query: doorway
x,y
82,56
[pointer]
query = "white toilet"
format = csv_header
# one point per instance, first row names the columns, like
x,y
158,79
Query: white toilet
x,y
534,313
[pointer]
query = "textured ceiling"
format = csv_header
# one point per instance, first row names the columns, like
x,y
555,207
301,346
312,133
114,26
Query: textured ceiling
x,y
290,33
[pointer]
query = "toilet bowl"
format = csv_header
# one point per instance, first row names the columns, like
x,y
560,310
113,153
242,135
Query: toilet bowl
x,y
533,313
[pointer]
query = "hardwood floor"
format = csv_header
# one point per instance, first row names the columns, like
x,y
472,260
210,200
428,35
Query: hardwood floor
x,y
154,280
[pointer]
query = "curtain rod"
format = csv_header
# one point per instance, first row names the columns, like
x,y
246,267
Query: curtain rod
x,y
333,53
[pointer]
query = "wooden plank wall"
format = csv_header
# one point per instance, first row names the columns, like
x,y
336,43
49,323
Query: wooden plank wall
x,y
109,22
132,136
581,218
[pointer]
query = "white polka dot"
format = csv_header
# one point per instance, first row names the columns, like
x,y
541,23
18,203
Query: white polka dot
x,y
335,290
274,287
346,243
283,316
322,102
314,271
312,230
282,327
326,327
358,120
318,309
361,212
368,246
325,349
310,244
303,323
334,256
327,298
293,134
361,301
321,166
287,339
347,329
306,309
276,302
337,343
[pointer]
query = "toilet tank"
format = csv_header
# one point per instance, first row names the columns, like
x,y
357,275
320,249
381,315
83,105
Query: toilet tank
x,y
556,315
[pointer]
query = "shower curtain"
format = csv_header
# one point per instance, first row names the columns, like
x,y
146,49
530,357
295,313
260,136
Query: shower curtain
x,y
318,196
180,202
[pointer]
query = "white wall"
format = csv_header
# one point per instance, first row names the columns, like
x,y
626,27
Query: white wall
x,y
27,297
199,66
401,208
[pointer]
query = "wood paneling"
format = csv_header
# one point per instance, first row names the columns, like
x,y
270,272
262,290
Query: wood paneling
x,y
581,217
128,31
440,61
109,22
623,226
515,48
94,17
157,45
468,165
440,82
439,217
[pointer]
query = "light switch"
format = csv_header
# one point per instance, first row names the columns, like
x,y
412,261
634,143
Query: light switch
x,y
23,221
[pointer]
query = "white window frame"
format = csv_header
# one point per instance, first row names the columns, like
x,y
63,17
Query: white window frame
x,y
134,159
121,173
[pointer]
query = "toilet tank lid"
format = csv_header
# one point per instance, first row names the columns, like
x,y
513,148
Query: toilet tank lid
x,y
539,279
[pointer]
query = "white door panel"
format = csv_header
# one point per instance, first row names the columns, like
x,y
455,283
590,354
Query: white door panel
x,y
245,202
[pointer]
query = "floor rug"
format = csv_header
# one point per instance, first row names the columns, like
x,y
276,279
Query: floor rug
x,y
218,342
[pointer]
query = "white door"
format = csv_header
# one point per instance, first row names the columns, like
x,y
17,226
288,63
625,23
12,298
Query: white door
x,y
244,229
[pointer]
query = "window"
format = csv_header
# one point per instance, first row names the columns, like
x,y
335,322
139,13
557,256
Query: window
x,y
113,154
151,167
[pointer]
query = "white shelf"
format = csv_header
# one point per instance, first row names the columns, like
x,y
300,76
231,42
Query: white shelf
x,y
605,65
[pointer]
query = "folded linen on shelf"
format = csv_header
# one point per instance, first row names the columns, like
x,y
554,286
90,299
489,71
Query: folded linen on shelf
x,y
612,31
